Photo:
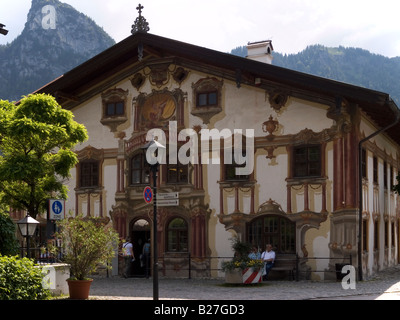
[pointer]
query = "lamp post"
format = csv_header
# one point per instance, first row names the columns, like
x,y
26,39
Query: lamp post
x,y
151,153
27,227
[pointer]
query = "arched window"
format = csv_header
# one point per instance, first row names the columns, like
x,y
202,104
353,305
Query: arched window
x,y
139,170
177,235
278,231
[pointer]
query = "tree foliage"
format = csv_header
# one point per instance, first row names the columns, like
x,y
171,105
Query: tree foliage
x,y
36,141
350,65
8,241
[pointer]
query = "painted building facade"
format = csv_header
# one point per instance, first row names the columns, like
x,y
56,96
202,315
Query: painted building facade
x,y
303,194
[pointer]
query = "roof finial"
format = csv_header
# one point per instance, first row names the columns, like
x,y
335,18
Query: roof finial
x,y
140,25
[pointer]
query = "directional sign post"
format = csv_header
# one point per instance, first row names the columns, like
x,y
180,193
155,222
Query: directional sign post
x,y
168,199
168,196
168,203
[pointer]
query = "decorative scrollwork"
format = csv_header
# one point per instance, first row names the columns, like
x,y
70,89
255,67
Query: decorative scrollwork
x,y
140,25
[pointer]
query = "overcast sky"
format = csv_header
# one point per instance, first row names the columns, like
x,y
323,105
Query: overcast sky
x,y
222,25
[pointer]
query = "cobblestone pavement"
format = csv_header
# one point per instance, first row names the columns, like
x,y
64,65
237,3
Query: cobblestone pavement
x,y
385,285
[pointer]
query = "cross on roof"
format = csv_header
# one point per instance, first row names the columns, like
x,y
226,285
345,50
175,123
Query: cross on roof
x,y
139,8
140,25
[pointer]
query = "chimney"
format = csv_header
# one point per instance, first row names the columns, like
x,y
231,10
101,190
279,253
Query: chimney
x,y
260,51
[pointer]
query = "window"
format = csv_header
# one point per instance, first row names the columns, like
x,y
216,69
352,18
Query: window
x,y
177,240
230,169
115,109
89,174
207,96
230,172
386,234
376,235
365,235
385,175
277,231
393,238
364,163
177,173
307,161
139,170
391,178
207,99
375,161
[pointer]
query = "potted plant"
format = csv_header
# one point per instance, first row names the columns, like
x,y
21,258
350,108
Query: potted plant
x,y
86,243
242,269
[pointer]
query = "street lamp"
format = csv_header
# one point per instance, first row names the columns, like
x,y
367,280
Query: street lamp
x,y
151,153
3,31
27,227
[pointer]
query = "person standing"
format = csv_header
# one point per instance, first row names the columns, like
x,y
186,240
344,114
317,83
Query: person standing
x,y
146,257
268,256
127,253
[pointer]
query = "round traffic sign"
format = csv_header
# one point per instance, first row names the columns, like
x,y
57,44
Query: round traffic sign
x,y
57,207
148,194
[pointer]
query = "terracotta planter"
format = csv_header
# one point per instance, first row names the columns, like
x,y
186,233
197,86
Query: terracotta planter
x,y
246,276
79,289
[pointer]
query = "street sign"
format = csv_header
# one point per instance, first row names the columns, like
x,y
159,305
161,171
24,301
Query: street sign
x,y
167,196
148,195
56,209
167,203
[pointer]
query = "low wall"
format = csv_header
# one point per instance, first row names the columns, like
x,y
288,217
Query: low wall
x,y
55,276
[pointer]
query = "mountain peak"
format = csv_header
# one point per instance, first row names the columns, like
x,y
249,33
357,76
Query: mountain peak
x,y
56,38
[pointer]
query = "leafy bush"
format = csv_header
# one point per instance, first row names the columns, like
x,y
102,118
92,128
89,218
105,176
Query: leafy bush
x,y
87,242
20,279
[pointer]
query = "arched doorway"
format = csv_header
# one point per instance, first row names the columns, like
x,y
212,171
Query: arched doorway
x,y
276,230
140,234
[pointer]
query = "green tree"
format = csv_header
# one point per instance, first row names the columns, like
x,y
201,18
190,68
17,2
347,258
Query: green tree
x,y
8,241
36,141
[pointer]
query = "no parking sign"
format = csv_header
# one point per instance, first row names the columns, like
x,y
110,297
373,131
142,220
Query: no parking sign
x,y
56,209
148,195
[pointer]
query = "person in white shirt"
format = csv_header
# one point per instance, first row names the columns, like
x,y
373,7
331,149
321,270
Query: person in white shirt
x,y
268,256
127,252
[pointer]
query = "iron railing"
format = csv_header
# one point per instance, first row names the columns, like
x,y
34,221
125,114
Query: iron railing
x,y
188,266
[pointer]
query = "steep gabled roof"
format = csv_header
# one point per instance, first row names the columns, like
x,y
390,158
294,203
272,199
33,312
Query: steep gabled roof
x,y
122,60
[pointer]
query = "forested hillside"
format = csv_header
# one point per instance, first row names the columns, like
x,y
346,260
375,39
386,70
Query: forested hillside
x,y
351,65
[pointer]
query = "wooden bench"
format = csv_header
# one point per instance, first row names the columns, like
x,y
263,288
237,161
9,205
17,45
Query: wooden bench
x,y
286,263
